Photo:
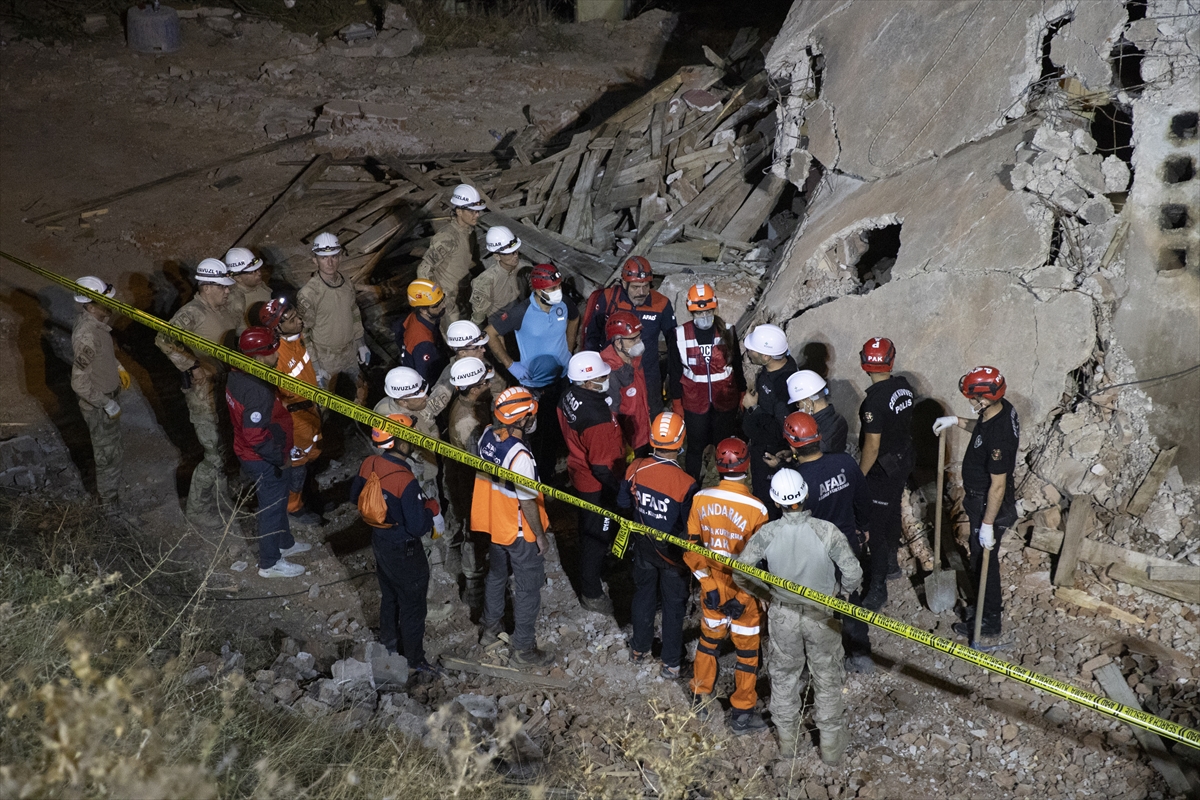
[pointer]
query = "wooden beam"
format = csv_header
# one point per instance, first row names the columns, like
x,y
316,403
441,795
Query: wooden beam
x,y
1081,520
578,223
1145,494
558,198
1114,685
365,210
1173,572
616,155
754,212
546,247
412,174
283,204
395,223
1085,600
510,673
54,216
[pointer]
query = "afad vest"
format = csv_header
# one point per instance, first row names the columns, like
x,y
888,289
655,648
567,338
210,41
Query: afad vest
x,y
495,508
707,374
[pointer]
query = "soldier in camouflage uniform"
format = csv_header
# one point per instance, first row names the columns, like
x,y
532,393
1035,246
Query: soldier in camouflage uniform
x,y
500,284
470,413
333,329
97,378
250,287
453,253
208,315
807,551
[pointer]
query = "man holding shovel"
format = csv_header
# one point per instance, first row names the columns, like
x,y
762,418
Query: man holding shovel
x,y
987,471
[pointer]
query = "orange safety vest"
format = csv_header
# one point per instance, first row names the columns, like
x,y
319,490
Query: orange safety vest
x,y
495,507
723,519
295,362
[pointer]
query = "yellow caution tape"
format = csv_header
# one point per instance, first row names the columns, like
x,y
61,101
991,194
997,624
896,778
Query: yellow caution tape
x,y
1066,691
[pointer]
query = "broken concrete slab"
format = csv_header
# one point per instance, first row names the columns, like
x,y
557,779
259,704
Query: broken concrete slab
x,y
1082,46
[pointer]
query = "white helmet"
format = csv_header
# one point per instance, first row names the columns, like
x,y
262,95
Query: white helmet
x,y
769,340
587,366
788,488
501,240
403,382
212,270
326,244
803,385
467,197
467,372
464,333
96,285
239,259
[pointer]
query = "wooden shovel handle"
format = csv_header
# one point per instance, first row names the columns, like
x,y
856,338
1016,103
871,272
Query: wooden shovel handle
x,y
937,515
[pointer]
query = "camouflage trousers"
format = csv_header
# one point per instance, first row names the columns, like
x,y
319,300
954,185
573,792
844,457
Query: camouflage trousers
x,y
800,634
210,488
107,449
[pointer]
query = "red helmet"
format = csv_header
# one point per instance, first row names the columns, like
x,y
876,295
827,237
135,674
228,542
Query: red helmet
x,y
800,429
877,355
270,313
258,341
733,457
984,382
622,323
636,270
545,276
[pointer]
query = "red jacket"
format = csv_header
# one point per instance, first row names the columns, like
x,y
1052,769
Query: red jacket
x,y
595,453
262,427
628,390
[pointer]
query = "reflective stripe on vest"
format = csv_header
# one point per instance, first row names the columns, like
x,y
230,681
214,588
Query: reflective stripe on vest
x,y
687,346
299,366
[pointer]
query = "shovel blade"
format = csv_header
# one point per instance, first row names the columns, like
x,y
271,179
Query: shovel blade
x,y
941,591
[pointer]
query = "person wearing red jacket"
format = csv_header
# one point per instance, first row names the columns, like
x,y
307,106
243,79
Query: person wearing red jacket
x,y
706,377
400,562
657,315
627,381
595,457
262,440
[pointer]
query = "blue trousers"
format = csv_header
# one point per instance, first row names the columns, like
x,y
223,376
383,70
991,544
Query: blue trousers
x,y
274,534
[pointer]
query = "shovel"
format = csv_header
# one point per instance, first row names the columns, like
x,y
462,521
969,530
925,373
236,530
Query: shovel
x,y
987,555
940,586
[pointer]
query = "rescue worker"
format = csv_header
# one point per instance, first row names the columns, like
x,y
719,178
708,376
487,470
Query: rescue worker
x,y
635,295
420,333
97,378
208,315
660,495
838,493
499,285
514,517
807,392
250,287
405,392
453,252
808,551
595,462
723,519
281,316
262,440
705,376
469,415
400,562
766,405
987,473
627,381
545,325
886,457
333,329
465,340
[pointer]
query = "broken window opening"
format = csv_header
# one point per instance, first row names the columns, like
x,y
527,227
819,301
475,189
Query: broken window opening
x,y
1179,169
1126,62
1183,126
1173,217
1112,128
1172,260
1051,72
875,265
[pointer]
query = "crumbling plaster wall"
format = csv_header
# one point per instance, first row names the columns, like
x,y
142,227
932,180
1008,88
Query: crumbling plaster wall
x,y
1023,243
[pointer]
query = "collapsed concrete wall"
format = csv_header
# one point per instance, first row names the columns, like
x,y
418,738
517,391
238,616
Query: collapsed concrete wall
x,y
1006,183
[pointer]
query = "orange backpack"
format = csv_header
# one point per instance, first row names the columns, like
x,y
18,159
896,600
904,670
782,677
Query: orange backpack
x,y
372,505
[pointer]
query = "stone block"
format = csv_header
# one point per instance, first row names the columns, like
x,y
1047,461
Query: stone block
x,y
342,108
383,112
351,671
478,707
1057,143
1096,211
1116,174
329,693
395,17
310,707
390,669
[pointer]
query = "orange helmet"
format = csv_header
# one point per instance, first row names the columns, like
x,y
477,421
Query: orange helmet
x,y
701,297
636,270
513,405
733,457
800,429
666,432
422,293
384,440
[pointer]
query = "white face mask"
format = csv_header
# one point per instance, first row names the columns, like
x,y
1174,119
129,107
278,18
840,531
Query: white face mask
x,y
603,385
704,320
637,349
552,296
532,426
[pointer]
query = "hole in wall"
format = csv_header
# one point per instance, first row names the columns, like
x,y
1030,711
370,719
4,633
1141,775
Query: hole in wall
x,y
875,265
816,68
1136,9
1126,61
1172,260
1112,128
1173,217
1183,126
1051,72
1179,169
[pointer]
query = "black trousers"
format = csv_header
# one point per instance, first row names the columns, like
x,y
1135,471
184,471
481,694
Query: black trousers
x,y
595,538
702,430
403,573
856,639
886,528
547,443
655,579
975,504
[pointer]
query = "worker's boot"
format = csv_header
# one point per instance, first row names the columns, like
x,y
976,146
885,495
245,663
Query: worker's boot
x,y
833,745
743,722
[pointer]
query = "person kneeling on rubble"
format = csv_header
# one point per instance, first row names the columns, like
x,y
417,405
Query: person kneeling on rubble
x,y
807,551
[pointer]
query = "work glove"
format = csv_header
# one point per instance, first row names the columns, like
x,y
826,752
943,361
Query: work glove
x,y
850,591
519,372
944,424
987,536
112,409
364,355
733,608
322,379
123,377
439,526
712,600
296,454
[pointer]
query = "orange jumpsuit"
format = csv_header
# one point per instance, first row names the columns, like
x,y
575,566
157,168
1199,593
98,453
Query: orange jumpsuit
x,y
294,361
723,518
